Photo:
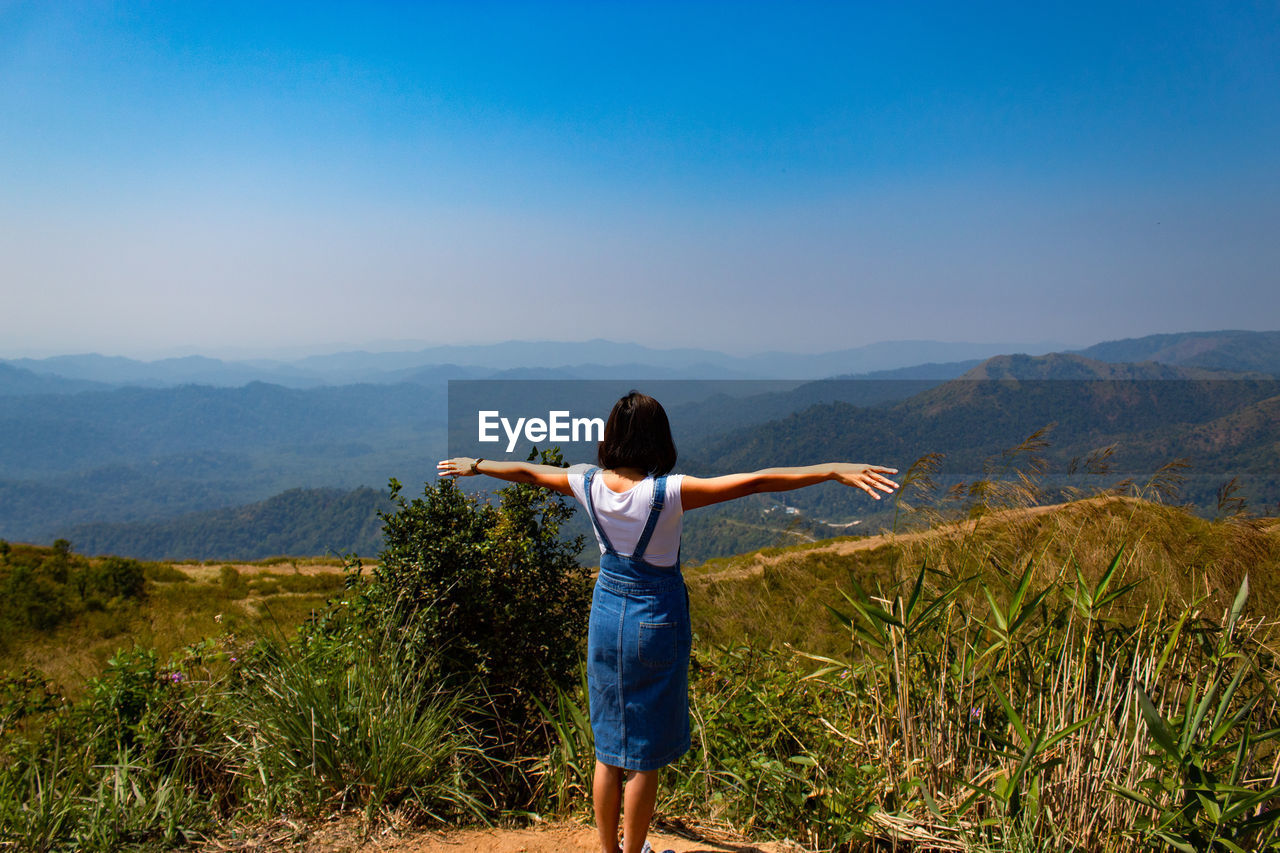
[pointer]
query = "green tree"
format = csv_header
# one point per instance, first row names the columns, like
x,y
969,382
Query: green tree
x,y
56,565
492,595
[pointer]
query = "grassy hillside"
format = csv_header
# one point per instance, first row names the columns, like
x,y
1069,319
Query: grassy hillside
x,y
780,596
64,615
776,596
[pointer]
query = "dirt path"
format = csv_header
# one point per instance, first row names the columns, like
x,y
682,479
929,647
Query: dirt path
x,y
558,839
211,571
343,835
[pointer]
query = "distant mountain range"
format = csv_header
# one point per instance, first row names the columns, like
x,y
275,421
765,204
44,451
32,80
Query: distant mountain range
x,y
1230,350
18,381
513,360
79,454
599,359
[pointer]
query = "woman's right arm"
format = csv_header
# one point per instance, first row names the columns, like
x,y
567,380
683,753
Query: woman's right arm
x,y
703,491
548,476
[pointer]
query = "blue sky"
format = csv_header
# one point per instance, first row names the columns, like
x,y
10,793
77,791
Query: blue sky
x,y
248,177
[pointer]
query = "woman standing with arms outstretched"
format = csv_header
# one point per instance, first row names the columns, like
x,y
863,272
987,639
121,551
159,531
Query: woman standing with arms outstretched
x,y
638,639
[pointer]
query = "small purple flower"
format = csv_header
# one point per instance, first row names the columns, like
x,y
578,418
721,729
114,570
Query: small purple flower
x,y
176,677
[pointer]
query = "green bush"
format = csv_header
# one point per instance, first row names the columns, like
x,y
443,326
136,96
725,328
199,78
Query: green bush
x,y
33,598
117,577
124,689
476,613
493,594
164,573
233,584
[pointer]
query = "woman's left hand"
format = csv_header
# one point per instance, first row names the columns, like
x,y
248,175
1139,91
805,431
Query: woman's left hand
x,y
460,466
866,477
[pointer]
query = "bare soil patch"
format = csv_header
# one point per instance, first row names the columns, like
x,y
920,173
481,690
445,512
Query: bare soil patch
x,y
212,571
345,835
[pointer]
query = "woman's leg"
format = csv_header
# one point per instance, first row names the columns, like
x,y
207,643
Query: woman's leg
x,y
642,794
606,796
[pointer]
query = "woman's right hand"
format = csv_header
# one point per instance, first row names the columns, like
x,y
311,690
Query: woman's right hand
x,y
459,466
866,477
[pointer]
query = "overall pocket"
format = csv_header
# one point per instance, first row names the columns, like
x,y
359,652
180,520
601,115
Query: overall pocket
x,y
658,643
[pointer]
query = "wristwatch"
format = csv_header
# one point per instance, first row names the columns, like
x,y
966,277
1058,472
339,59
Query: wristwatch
x,y
474,463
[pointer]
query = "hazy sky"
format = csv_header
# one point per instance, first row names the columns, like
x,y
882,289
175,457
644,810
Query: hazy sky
x,y
227,176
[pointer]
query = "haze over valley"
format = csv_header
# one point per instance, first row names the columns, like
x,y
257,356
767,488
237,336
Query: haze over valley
x,y
158,459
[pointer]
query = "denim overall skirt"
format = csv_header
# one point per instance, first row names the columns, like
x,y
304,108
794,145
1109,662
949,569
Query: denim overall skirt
x,y
638,643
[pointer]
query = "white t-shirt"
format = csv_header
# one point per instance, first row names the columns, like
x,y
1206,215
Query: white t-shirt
x,y
623,515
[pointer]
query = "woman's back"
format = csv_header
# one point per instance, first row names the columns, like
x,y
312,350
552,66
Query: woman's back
x,y
623,514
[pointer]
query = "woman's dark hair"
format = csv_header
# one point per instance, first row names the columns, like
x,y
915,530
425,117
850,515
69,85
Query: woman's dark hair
x,y
638,435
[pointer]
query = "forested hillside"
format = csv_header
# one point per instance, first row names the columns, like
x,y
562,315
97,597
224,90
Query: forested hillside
x,y
147,454
309,522
1103,430
1225,350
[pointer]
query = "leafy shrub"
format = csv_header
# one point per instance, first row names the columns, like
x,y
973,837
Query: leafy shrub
x,y
117,577
475,614
25,694
492,595
327,582
118,770
34,599
233,585
164,573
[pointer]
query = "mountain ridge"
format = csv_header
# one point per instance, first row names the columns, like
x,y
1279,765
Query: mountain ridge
x,y
582,359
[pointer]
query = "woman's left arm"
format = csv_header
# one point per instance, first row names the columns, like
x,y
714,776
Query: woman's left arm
x,y
699,492
548,476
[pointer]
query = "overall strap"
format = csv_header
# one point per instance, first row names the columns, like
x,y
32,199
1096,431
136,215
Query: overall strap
x,y
591,510
655,509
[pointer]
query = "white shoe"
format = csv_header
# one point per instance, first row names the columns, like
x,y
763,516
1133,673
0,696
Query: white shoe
x,y
648,849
